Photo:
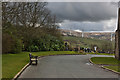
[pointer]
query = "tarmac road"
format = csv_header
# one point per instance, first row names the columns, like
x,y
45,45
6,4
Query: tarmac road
x,y
66,66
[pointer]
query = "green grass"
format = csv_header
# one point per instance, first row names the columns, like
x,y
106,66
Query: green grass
x,y
101,54
115,68
112,63
54,53
86,42
105,60
13,63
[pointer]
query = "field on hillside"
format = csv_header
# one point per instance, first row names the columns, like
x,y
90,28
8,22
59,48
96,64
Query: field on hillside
x,y
89,43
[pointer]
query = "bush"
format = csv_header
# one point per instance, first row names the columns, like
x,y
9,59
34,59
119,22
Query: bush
x,y
7,42
33,48
46,43
15,40
17,47
10,44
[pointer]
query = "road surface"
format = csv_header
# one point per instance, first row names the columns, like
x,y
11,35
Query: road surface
x,y
66,66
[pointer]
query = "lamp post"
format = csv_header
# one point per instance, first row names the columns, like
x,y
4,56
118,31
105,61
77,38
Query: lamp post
x,y
82,33
111,37
117,36
95,48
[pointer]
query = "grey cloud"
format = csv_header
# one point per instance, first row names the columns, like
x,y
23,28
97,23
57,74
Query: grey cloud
x,y
82,26
88,26
83,11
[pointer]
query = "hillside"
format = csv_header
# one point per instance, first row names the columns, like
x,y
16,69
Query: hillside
x,y
89,43
94,35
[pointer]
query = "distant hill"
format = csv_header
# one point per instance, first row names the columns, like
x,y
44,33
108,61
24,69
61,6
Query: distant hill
x,y
90,39
93,35
104,45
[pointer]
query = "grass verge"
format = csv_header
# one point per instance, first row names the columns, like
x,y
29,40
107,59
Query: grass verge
x,y
54,53
100,54
115,68
105,60
13,63
112,63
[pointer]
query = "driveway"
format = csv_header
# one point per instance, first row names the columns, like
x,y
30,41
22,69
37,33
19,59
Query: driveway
x,y
66,66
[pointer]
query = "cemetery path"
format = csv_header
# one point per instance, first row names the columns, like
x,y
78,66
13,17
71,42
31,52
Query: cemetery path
x,y
66,66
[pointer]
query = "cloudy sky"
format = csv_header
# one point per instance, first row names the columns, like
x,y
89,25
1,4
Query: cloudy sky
x,y
86,16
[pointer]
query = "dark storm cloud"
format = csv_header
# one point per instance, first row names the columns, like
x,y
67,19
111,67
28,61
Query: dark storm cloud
x,y
83,26
108,25
87,11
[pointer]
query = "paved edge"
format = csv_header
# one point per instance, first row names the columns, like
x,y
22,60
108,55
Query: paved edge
x,y
110,70
91,61
27,65
20,72
104,67
23,69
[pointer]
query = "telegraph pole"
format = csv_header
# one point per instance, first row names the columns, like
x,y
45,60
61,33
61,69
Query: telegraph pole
x,y
117,36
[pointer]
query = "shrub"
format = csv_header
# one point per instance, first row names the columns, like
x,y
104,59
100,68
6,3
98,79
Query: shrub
x,y
10,44
45,43
17,47
7,42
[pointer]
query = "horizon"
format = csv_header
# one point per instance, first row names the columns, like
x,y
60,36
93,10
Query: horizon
x,y
90,31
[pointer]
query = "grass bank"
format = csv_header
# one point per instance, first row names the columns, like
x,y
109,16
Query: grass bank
x,y
100,54
115,68
87,42
112,63
105,60
13,63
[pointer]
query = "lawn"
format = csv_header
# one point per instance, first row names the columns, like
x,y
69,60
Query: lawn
x,y
115,68
111,62
13,63
101,53
105,60
54,53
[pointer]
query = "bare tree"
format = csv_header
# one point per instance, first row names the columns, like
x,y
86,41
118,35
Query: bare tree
x,y
28,14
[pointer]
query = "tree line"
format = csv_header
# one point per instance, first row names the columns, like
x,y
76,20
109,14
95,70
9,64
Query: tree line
x,y
29,26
